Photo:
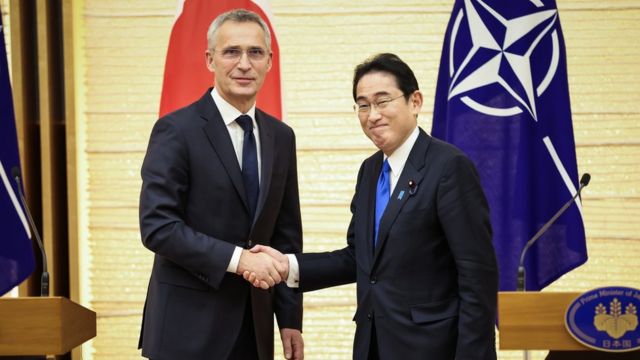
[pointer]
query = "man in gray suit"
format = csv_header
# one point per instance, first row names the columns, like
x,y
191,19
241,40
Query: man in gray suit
x,y
419,242
220,176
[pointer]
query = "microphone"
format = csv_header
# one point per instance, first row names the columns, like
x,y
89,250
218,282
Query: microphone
x,y
44,279
584,181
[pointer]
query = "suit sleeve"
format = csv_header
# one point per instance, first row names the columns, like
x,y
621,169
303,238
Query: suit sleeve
x,y
464,215
165,186
287,239
334,268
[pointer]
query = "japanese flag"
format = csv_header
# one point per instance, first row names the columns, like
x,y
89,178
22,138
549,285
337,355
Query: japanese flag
x,y
186,75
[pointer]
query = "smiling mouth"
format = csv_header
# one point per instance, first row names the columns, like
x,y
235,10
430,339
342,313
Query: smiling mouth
x,y
243,80
377,126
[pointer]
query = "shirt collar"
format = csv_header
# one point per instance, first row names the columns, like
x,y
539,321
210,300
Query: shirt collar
x,y
227,111
399,157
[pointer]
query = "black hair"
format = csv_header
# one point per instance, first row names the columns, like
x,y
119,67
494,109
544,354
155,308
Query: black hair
x,y
391,64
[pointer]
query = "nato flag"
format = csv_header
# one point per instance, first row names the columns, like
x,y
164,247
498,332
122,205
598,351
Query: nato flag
x,y
502,97
16,252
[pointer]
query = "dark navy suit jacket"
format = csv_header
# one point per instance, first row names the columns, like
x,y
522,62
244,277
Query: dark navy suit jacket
x,y
193,213
430,286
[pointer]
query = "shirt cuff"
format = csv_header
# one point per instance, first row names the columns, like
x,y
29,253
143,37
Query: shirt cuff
x,y
235,260
293,281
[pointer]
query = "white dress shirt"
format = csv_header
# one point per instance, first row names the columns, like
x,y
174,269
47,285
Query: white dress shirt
x,y
229,115
397,160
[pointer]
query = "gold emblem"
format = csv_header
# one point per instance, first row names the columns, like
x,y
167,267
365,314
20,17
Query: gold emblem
x,y
615,323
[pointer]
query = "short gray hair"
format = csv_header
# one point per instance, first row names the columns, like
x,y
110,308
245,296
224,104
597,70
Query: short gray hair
x,y
237,15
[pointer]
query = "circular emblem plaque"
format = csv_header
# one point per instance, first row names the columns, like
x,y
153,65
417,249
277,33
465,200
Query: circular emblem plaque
x,y
606,319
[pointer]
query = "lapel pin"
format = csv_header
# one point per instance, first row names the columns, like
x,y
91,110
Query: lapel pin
x,y
401,195
413,187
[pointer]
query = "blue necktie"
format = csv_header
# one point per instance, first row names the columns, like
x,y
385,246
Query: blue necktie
x,y
382,198
249,163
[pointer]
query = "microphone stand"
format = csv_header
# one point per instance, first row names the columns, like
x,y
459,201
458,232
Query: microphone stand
x,y
584,181
44,279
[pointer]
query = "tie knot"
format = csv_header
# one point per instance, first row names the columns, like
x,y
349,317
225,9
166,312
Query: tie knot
x,y
385,166
245,123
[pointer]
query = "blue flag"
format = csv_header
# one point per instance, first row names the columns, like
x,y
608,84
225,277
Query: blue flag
x,y
502,97
16,252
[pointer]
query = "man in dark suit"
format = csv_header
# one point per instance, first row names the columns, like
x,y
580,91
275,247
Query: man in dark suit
x,y
419,242
220,176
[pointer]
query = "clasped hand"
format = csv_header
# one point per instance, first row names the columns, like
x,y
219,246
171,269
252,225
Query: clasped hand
x,y
263,266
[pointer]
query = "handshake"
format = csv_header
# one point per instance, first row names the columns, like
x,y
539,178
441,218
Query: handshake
x,y
263,266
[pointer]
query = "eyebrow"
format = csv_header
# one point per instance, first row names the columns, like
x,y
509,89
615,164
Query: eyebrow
x,y
230,46
378,94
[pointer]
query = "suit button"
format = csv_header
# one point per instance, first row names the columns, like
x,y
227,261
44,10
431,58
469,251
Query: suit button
x,y
373,280
250,243
369,316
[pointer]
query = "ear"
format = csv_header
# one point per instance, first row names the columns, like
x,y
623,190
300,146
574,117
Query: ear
x,y
416,102
208,56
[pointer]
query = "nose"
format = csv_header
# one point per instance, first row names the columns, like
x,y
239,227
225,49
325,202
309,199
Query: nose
x,y
244,63
374,115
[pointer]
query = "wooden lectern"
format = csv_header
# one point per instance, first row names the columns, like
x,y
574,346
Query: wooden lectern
x,y
43,325
535,321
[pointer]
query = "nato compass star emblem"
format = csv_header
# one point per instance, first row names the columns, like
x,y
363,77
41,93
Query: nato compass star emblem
x,y
500,54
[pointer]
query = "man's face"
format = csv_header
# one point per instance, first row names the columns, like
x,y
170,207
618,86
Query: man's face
x,y
386,117
240,62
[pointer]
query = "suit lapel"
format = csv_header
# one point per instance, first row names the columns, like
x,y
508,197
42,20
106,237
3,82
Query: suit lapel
x,y
218,135
267,150
370,205
413,171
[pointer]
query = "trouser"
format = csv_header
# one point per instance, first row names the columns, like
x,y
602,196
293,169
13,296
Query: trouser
x,y
245,347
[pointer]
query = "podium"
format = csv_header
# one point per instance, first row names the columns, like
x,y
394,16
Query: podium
x,y
43,325
535,321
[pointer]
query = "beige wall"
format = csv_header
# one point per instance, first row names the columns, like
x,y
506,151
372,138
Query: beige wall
x,y
120,75
4,7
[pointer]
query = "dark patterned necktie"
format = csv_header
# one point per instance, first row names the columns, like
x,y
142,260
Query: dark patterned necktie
x,y
249,163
